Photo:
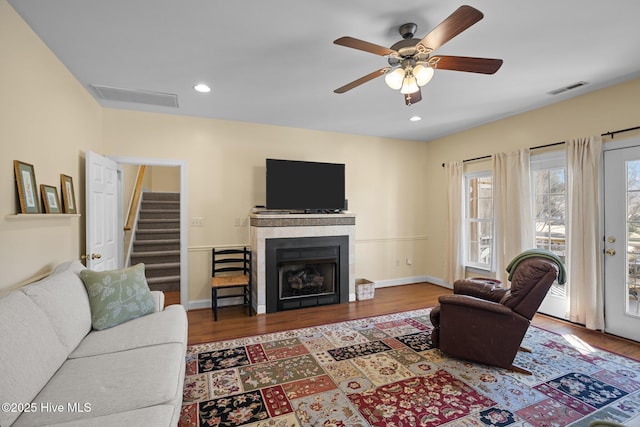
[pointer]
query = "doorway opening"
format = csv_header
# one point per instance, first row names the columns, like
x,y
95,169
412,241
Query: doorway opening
x,y
172,170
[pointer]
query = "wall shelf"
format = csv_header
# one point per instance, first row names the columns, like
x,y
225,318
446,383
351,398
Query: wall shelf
x,y
20,217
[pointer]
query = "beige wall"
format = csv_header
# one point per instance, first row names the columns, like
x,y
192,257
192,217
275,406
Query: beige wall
x,y
165,179
226,178
599,112
395,187
46,119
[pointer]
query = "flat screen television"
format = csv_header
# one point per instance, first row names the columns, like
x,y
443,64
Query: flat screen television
x,y
307,186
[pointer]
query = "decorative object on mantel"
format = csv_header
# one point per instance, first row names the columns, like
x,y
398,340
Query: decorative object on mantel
x,y
68,194
26,186
50,199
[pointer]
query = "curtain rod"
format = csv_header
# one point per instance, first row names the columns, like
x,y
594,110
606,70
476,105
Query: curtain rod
x,y
611,134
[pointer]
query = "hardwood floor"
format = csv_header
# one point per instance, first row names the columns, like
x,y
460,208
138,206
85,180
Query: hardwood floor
x,y
234,322
171,297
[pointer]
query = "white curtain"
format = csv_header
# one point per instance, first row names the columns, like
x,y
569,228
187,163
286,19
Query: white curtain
x,y
583,232
454,262
512,203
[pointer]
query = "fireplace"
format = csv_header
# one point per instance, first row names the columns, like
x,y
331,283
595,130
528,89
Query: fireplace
x,y
271,227
306,272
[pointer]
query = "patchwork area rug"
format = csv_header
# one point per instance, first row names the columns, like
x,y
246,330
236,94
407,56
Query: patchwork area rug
x,y
383,371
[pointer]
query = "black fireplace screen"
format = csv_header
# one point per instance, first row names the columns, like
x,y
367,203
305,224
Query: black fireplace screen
x,y
311,277
305,272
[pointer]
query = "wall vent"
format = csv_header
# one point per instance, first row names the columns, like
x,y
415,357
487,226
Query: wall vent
x,y
136,96
567,88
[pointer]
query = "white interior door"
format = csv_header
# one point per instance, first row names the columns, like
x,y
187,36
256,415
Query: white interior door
x,y
622,241
102,213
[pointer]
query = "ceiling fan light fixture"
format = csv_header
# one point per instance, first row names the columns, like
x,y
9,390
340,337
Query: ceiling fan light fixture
x,y
410,61
394,78
409,85
423,74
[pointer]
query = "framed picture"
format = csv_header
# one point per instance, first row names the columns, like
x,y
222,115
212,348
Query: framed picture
x,y
50,199
26,186
68,195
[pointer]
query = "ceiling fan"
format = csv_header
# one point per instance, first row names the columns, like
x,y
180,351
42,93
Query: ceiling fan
x,y
411,63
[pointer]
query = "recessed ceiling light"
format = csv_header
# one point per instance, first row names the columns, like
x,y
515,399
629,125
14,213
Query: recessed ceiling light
x,y
415,118
202,88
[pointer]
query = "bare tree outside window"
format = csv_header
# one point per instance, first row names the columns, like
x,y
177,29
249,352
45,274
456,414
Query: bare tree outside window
x,y
550,214
479,221
633,233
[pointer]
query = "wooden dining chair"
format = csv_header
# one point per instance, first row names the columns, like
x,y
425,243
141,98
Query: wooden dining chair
x,y
231,269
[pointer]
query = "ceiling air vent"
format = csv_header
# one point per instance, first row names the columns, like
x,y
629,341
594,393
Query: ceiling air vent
x,y
567,88
137,96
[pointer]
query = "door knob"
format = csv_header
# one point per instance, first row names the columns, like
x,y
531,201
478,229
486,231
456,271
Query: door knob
x,y
92,256
610,252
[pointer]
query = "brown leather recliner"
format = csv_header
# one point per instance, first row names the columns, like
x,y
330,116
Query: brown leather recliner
x,y
485,323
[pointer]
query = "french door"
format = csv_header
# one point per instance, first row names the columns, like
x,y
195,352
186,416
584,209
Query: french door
x,y
622,241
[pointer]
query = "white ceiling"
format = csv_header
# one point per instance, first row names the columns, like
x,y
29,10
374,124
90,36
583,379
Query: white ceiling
x,y
274,61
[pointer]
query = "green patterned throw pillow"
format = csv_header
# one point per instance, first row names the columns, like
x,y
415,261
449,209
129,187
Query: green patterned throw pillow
x,y
117,296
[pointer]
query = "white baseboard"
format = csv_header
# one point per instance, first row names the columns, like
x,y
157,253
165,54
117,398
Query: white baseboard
x,y
410,280
198,304
439,282
206,303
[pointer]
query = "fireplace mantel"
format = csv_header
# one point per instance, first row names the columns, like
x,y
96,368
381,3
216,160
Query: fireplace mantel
x,y
279,226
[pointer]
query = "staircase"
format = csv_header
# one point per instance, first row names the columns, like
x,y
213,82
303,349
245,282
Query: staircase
x,y
157,240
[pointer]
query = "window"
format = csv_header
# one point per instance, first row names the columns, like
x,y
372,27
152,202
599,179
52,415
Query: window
x,y
548,179
479,220
548,176
550,205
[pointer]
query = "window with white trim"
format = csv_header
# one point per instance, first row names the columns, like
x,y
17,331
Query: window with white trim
x,y
548,176
479,220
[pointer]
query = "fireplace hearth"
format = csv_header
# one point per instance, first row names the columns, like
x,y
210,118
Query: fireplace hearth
x,y
306,272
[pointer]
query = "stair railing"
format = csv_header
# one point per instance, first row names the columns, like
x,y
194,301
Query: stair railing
x,y
135,200
132,216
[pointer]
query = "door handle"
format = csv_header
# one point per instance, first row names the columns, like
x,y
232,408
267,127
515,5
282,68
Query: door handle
x,y
92,256
610,252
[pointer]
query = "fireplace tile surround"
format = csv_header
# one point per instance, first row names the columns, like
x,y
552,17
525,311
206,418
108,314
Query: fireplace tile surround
x,y
281,226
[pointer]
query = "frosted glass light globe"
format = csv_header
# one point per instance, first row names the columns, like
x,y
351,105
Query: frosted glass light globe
x,y
422,74
409,85
394,78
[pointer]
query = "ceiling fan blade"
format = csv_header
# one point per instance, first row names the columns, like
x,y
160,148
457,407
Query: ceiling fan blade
x,y
412,98
470,65
362,80
457,22
365,46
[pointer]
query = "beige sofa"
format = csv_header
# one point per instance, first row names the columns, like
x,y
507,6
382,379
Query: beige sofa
x,y
56,371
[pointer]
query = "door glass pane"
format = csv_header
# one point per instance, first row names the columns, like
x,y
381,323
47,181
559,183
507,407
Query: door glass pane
x,y
633,237
633,205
